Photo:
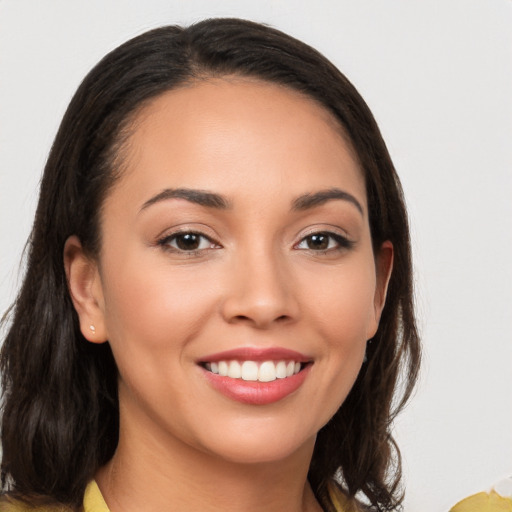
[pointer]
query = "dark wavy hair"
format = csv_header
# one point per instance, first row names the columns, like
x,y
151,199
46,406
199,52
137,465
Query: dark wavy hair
x,y
60,408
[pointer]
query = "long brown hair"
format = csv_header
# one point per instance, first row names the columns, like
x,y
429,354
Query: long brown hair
x,y
60,408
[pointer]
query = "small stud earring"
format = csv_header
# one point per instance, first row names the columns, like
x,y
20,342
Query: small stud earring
x,y
92,328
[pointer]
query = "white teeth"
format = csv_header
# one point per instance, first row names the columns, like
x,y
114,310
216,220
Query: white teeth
x,y
234,370
281,370
223,368
249,370
267,372
264,371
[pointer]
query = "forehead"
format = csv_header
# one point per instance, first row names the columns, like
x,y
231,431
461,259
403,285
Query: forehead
x,y
238,131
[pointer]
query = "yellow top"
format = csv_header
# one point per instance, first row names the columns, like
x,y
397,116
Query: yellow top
x,y
340,500
93,502
484,502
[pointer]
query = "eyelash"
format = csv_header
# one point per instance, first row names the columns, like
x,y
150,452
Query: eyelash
x,y
166,242
335,243
340,242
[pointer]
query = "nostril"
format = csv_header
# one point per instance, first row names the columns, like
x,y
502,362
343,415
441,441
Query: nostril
x,y
245,318
254,307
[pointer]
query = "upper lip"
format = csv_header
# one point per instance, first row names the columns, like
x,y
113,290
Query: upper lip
x,y
257,354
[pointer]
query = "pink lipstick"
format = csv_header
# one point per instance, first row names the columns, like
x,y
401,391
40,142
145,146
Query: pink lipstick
x,y
256,376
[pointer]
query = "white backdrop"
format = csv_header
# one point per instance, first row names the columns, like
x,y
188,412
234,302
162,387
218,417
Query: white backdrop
x,y
438,77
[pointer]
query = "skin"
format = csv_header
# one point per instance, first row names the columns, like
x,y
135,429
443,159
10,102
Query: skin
x,y
256,280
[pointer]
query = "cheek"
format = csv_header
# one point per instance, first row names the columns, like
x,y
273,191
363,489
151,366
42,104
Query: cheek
x,y
153,319
343,312
154,310
343,304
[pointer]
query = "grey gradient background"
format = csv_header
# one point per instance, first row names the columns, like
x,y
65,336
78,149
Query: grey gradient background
x,y
438,76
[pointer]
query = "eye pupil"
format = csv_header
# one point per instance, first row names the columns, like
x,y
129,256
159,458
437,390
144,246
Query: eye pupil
x,y
188,241
318,242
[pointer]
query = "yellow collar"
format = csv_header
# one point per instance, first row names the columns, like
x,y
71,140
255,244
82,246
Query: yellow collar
x,y
93,500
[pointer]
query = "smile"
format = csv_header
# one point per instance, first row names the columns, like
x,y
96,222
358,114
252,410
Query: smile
x,y
261,371
256,376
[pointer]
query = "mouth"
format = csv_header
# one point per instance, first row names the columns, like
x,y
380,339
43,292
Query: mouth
x,y
256,376
255,371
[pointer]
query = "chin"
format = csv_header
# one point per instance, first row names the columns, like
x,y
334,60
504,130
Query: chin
x,y
260,445
262,453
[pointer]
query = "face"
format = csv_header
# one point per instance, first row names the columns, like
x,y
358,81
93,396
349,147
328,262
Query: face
x,y
236,283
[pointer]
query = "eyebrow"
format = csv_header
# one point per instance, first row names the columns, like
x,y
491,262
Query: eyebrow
x,y
200,197
213,200
308,201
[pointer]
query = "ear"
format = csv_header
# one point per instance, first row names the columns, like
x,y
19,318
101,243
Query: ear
x,y
383,268
86,291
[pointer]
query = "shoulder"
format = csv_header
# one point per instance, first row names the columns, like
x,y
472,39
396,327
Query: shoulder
x,y
9,505
484,501
341,501
93,502
499,499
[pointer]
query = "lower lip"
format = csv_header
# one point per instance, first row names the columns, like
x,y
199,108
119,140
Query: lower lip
x,y
254,392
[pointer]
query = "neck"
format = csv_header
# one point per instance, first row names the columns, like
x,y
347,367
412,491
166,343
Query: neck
x,y
152,473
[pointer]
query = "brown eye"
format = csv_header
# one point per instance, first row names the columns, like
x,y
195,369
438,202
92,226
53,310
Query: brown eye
x,y
319,242
324,241
187,242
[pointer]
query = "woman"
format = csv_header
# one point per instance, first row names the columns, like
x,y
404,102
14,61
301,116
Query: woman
x,y
217,306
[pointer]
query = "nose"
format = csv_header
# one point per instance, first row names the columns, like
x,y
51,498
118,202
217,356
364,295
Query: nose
x,y
261,292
